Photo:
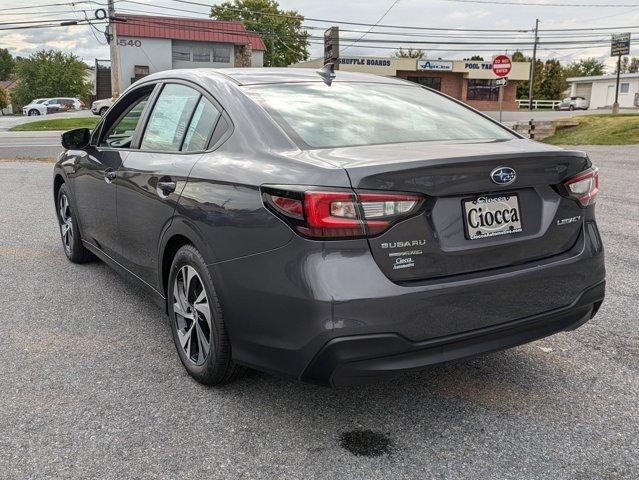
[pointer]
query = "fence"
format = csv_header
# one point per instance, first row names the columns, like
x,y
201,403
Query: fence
x,y
537,104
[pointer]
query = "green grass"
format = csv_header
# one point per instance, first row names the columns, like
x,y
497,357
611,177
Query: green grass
x,y
605,129
57,124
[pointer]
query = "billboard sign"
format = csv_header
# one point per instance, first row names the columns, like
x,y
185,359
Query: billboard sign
x,y
620,44
435,65
331,46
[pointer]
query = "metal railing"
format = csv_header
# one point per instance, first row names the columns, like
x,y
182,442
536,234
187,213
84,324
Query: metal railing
x,y
537,104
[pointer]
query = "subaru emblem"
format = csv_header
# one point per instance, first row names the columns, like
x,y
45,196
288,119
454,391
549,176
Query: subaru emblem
x,y
503,175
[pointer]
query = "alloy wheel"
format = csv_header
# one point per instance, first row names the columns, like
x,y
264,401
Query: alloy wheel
x,y
66,222
192,315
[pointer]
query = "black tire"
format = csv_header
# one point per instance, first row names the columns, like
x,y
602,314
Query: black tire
x,y
571,108
103,110
33,113
216,367
71,240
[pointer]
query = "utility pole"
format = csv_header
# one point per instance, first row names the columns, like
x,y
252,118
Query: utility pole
x,y
115,52
531,81
615,106
619,45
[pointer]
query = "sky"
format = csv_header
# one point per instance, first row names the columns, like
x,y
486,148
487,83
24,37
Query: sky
x,y
89,44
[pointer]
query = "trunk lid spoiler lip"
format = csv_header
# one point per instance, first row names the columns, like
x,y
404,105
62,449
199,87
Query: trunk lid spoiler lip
x,y
422,154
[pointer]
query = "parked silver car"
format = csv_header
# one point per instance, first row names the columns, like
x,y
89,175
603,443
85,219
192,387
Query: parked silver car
x,y
573,103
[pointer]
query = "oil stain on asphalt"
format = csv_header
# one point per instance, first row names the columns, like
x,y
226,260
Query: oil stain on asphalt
x,y
366,443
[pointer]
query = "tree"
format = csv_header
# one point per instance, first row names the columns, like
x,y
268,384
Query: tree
x,y
523,87
586,67
5,100
553,81
7,64
477,58
629,65
51,73
281,30
417,53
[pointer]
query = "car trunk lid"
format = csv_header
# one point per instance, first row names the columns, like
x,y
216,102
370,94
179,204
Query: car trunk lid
x,y
438,242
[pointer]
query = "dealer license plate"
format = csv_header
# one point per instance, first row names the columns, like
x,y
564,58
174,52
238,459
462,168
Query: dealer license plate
x,y
491,215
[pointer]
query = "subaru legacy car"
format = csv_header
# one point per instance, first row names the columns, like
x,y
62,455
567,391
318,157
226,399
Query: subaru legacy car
x,y
330,227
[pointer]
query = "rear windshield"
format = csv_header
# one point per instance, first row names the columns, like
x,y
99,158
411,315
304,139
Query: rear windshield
x,y
316,115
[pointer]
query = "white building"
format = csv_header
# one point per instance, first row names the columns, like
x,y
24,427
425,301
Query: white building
x,y
149,44
600,90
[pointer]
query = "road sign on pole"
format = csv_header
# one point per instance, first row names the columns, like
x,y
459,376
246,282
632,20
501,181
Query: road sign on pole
x,y
501,68
331,47
619,45
502,65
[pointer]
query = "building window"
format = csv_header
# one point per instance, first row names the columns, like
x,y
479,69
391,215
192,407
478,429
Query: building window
x,y
141,71
222,54
181,52
624,88
201,54
482,90
432,82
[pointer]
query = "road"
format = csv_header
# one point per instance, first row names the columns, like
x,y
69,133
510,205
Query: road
x,y
91,386
9,121
547,115
30,144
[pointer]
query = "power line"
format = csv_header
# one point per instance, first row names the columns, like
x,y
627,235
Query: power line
x,y
66,4
407,27
574,44
48,25
495,35
535,4
372,27
336,22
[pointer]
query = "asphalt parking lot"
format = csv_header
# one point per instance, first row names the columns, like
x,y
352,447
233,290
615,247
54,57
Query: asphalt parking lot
x,y
91,386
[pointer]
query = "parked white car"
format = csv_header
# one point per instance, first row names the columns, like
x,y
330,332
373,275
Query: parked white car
x,y
43,106
573,103
99,107
35,107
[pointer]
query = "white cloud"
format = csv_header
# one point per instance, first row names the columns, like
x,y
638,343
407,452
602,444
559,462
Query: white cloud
x,y
467,14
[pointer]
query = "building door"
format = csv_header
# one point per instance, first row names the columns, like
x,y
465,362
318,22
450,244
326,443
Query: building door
x,y
583,90
102,80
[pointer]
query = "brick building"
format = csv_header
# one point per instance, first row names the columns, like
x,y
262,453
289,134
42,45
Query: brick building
x,y
149,44
470,81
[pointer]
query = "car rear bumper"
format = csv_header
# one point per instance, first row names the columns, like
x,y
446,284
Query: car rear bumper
x,y
357,359
325,312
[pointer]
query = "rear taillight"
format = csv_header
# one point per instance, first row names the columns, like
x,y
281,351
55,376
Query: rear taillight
x,y
339,214
584,187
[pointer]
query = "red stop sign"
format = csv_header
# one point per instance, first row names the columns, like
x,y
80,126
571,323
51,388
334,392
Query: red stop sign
x,y
502,65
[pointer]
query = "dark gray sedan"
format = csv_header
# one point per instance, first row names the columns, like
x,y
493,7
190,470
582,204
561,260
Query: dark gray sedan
x,y
331,230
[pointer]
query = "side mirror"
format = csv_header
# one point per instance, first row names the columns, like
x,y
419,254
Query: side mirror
x,y
76,139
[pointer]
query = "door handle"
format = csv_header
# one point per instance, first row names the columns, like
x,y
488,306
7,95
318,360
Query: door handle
x,y
109,175
166,187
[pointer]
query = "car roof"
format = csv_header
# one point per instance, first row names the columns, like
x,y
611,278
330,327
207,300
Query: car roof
x,y
255,76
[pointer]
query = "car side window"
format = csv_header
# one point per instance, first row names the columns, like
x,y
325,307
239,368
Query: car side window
x,y
170,118
201,127
121,132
